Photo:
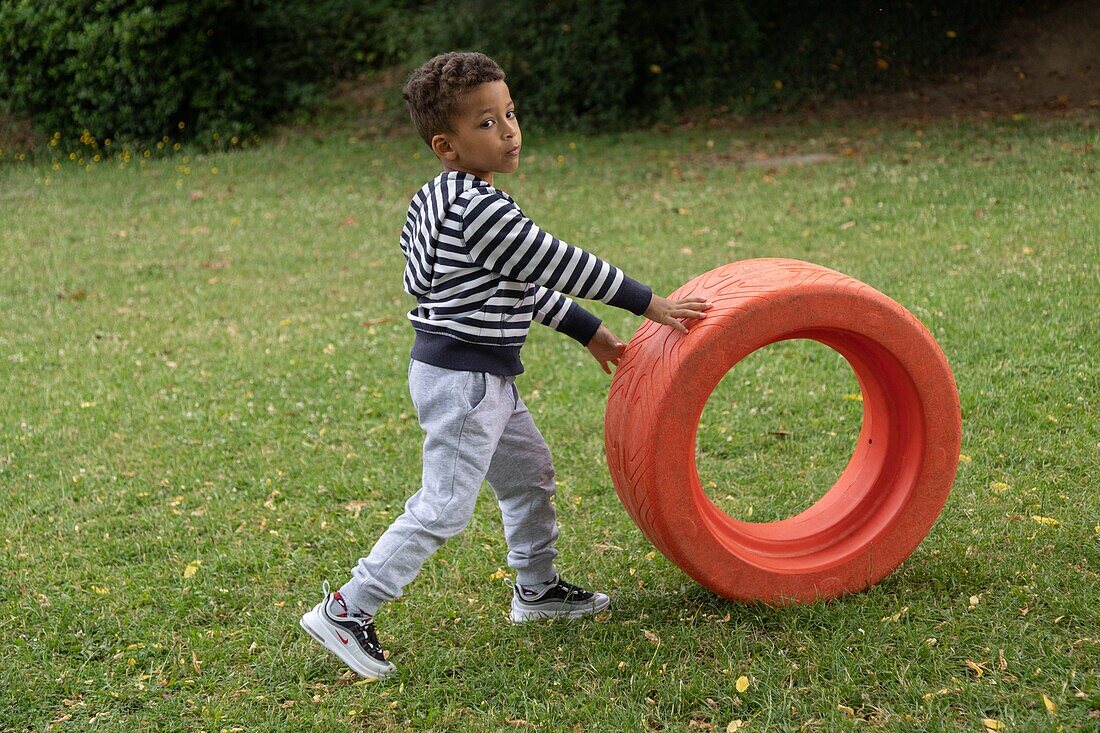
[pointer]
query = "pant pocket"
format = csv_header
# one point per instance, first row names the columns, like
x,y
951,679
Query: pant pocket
x,y
475,390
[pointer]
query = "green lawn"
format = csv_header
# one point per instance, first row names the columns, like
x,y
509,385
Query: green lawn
x,y
205,415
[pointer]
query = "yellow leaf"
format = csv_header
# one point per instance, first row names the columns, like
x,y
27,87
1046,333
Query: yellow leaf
x,y
735,725
999,486
1049,521
977,669
1051,707
846,710
100,590
991,725
498,575
191,569
963,458
742,683
854,397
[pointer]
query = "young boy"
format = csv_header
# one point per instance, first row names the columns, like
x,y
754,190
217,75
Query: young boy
x,y
481,272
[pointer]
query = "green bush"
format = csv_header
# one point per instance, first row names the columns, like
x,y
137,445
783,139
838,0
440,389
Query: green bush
x,y
595,65
586,64
136,70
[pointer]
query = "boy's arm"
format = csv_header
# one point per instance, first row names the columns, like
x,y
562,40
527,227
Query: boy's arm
x,y
501,239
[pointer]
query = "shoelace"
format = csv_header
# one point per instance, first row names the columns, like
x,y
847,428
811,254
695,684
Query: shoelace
x,y
572,590
366,635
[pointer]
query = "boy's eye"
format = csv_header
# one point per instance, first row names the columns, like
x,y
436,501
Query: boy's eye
x,y
511,114
488,123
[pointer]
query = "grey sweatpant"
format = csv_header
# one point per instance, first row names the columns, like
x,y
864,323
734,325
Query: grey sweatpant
x,y
477,428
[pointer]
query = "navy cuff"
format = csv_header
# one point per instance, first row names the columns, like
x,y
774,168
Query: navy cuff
x,y
632,296
579,324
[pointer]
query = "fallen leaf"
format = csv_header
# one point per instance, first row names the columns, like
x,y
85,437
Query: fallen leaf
x,y
735,725
896,616
999,486
1050,706
349,221
742,683
1049,521
991,725
651,637
846,710
195,663
355,507
192,568
498,575
847,225
977,669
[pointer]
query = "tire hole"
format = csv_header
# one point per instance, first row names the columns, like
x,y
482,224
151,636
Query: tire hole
x,y
778,430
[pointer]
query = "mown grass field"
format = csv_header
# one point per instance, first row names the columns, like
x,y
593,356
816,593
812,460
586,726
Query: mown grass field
x,y
204,415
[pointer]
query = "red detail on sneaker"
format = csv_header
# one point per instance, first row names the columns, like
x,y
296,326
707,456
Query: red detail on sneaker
x,y
341,638
340,599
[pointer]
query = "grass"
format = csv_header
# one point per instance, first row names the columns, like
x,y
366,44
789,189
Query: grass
x,y
205,415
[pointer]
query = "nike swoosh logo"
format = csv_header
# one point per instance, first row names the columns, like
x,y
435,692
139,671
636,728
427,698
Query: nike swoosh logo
x,y
341,638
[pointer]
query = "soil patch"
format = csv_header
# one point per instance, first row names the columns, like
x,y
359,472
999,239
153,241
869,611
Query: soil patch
x,y
1045,64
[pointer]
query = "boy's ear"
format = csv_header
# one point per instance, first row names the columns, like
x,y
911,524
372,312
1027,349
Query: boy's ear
x,y
442,147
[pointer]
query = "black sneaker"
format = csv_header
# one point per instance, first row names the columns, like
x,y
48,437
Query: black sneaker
x,y
350,637
556,599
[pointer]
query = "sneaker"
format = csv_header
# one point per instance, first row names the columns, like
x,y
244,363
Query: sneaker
x,y
350,637
556,599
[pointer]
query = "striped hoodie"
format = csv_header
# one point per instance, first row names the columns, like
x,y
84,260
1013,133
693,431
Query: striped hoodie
x,y
481,271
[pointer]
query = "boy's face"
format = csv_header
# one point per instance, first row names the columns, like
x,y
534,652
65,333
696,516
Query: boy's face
x,y
486,137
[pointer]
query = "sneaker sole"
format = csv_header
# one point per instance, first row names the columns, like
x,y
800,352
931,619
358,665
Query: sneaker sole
x,y
523,615
314,625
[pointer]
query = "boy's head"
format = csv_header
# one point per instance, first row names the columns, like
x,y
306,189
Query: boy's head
x,y
435,92
464,112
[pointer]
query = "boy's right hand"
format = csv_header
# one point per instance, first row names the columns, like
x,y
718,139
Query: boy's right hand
x,y
665,311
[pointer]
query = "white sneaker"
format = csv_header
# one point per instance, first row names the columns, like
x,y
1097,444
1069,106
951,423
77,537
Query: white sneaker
x,y
556,599
350,637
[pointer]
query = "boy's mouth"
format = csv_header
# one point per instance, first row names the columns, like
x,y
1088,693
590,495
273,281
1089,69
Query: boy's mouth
x,y
513,153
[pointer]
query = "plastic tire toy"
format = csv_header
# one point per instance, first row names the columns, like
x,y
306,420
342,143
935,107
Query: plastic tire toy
x,y
886,499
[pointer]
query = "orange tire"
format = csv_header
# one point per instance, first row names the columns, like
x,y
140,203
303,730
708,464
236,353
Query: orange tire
x,y
888,496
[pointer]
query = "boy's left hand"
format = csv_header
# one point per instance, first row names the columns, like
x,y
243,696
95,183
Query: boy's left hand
x,y
606,348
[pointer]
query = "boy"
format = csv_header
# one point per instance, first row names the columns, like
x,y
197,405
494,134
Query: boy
x,y
481,272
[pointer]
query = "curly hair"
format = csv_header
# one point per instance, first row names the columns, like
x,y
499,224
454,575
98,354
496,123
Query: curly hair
x,y
435,91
